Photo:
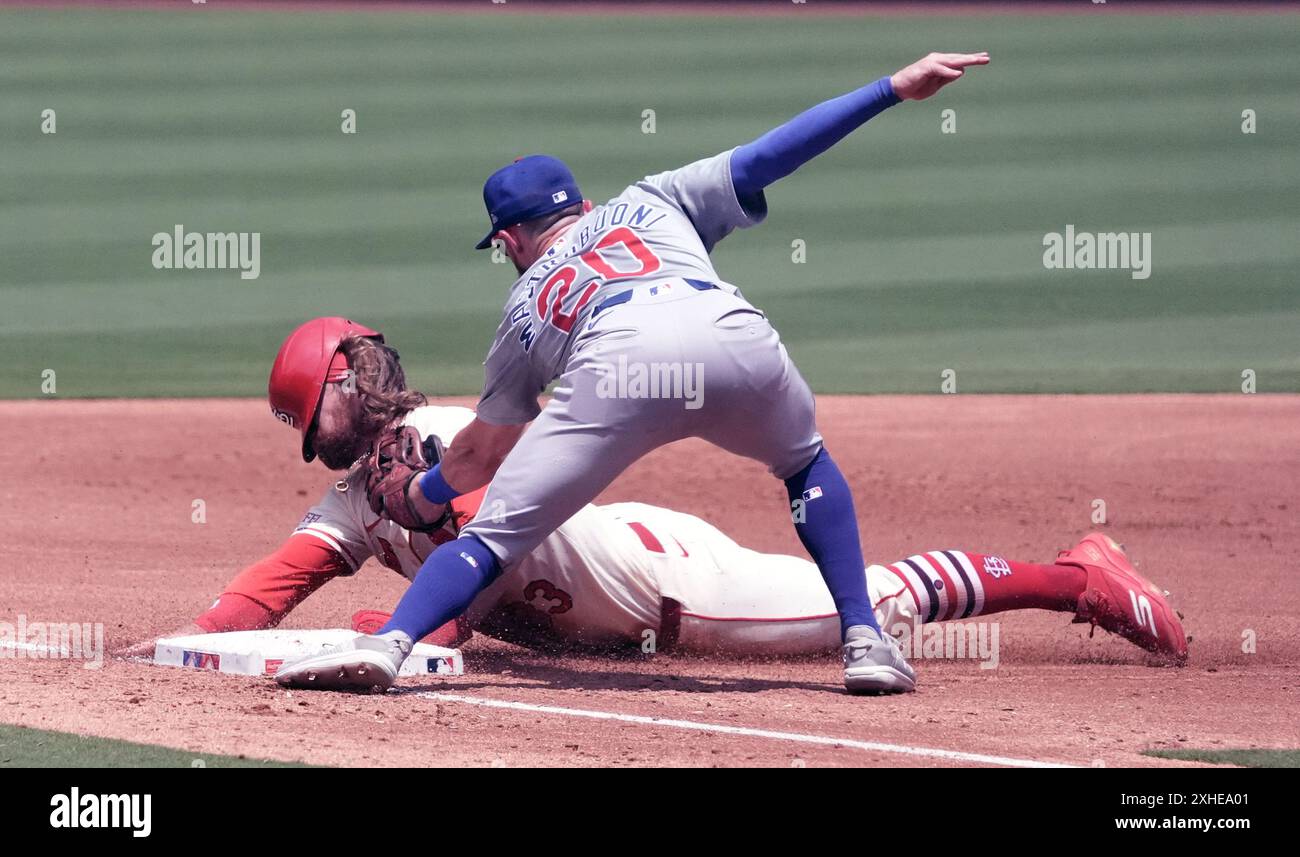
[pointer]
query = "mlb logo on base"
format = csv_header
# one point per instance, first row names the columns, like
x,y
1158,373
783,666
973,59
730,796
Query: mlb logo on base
x,y
201,660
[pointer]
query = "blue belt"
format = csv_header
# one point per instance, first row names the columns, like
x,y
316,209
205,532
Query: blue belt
x,y
625,296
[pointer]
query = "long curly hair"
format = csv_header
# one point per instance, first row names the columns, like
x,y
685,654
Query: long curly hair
x,y
381,383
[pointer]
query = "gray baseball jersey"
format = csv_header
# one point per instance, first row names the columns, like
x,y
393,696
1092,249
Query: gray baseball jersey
x,y
650,347
663,226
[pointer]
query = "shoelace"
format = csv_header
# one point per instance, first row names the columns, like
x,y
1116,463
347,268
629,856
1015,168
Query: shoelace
x,y
1098,605
860,644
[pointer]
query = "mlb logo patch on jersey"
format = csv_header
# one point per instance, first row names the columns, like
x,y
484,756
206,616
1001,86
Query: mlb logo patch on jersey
x,y
813,493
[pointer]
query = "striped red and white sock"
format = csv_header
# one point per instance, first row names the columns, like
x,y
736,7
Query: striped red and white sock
x,y
951,584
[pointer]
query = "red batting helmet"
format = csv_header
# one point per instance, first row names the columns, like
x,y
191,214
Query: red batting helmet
x,y
308,359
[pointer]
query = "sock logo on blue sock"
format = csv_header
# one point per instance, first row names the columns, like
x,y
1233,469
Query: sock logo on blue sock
x,y
813,493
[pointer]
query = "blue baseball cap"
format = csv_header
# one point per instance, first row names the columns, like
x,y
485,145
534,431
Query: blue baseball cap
x,y
530,187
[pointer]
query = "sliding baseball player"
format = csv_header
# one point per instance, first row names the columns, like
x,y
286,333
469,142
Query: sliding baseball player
x,y
625,575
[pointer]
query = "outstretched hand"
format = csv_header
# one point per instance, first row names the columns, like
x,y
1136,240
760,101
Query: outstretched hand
x,y
933,72
145,648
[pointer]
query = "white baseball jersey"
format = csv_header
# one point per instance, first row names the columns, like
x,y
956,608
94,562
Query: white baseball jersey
x,y
728,599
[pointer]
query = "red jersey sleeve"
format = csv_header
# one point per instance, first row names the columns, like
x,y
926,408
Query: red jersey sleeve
x,y
264,593
465,507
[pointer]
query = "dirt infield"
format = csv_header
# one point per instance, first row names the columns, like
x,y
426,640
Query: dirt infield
x,y
97,519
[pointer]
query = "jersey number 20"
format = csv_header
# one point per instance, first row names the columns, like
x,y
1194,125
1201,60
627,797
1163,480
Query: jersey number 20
x,y
552,308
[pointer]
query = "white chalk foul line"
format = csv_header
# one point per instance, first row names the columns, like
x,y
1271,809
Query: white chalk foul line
x,y
37,651
794,737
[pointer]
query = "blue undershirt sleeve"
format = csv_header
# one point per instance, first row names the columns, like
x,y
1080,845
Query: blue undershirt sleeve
x,y
783,150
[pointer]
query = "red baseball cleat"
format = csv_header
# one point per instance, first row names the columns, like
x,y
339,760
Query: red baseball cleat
x,y
1122,601
369,621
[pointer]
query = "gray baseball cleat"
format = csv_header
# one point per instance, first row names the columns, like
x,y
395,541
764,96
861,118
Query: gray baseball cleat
x,y
873,663
363,664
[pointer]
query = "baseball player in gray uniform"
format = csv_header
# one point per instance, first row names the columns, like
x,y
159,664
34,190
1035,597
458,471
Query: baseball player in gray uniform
x,y
622,304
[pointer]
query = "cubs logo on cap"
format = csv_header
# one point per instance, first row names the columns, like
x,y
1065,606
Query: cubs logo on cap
x,y
531,187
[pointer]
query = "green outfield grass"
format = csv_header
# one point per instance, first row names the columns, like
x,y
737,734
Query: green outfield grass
x,y
21,747
924,250
1242,758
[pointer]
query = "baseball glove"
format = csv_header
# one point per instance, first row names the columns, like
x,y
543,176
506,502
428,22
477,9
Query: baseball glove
x,y
398,456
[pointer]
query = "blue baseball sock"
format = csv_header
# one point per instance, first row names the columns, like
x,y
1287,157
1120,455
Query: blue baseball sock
x,y
448,581
829,532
